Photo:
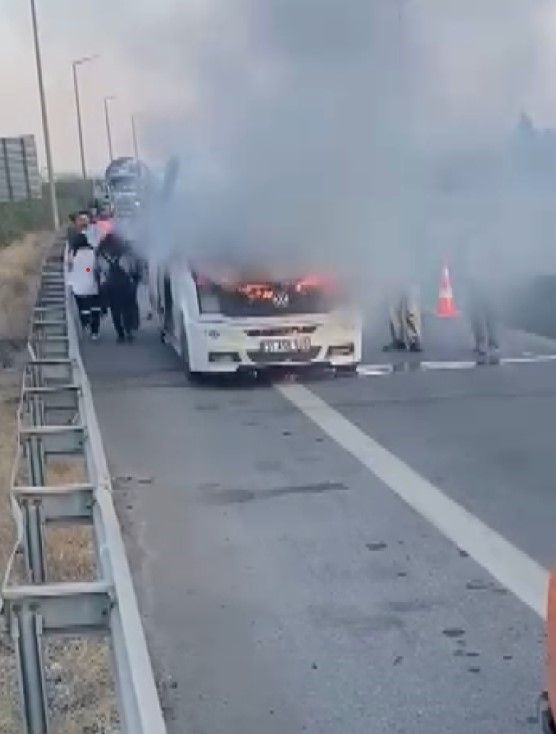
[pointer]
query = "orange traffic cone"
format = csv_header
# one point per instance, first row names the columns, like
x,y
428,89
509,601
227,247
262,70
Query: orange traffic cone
x,y
446,307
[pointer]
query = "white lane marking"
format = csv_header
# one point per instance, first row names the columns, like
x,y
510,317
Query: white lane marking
x,y
464,365
374,369
529,360
507,564
378,370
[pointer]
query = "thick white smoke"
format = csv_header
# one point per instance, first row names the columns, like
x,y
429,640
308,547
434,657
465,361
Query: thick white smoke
x,y
369,136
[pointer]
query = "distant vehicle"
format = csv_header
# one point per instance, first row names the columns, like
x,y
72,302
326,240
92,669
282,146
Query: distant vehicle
x,y
100,193
221,318
127,182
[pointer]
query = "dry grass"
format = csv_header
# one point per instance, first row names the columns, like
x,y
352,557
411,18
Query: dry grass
x,y
66,471
70,552
20,265
81,687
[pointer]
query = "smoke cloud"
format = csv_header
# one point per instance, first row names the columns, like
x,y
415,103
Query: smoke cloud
x,y
370,137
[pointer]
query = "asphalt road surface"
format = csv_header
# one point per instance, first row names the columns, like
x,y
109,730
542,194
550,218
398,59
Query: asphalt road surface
x,y
312,556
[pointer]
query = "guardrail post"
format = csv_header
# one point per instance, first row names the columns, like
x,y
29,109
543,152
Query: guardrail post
x,y
35,460
27,635
35,555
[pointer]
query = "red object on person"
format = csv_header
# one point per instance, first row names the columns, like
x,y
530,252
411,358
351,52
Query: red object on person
x,y
87,270
105,226
446,306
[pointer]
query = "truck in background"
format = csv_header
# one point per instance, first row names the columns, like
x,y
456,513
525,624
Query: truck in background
x,y
127,182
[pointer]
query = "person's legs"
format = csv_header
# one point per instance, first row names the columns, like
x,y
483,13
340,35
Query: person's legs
x,y
482,319
136,314
84,310
116,313
396,323
412,314
478,327
129,318
94,302
491,326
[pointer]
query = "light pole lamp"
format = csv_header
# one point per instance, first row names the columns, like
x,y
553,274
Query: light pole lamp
x,y
135,142
44,114
108,131
75,64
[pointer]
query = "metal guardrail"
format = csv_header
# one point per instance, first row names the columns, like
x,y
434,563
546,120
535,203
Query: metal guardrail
x,y
56,418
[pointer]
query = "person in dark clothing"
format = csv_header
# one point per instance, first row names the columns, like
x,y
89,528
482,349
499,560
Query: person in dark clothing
x,y
71,229
118,274
483,318
480,274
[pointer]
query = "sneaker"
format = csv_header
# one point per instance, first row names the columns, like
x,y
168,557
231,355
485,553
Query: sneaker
x,y
494,356
482,356
120,339
395,346
130,337
415,346
94,337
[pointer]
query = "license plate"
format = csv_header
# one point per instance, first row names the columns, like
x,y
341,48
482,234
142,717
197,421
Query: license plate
x,y
279,346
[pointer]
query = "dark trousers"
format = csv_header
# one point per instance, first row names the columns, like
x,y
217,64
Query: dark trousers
x,y
123,316
483,317
89,312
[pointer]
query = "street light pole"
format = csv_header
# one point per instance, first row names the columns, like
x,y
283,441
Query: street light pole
x,y
108,131
75,64
135,143
46,134
79,127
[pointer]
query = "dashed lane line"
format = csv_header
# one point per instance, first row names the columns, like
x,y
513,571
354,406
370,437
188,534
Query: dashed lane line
x,y
381,369
532,359
505,562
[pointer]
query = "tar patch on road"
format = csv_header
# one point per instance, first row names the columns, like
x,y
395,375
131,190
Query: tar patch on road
x,y
376,546
453,632
353,622
239,496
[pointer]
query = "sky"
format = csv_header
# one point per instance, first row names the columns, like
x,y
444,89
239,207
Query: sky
x,y
67,34
476,63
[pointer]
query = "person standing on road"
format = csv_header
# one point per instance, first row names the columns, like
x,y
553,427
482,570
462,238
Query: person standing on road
x,y
82,280
483,318
118,273
480,274
405,321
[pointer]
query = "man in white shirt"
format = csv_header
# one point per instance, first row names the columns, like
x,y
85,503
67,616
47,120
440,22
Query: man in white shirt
x,y
83,282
